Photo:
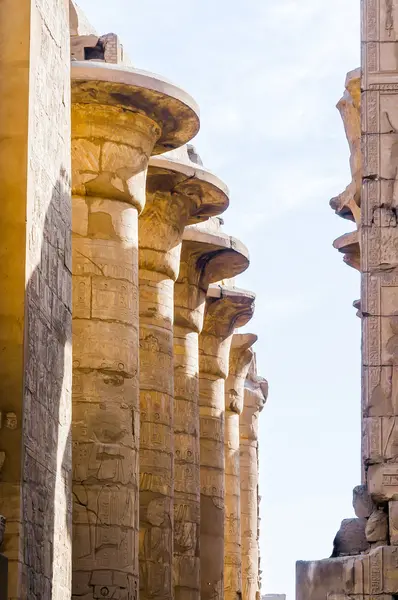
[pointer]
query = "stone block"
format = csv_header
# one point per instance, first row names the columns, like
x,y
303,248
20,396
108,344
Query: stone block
x,y
377,527
350,539
393,521
362,502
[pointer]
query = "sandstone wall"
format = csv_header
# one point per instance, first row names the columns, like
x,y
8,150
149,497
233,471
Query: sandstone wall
x,y
35,304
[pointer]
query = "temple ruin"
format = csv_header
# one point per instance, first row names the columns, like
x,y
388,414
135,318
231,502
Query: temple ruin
x,y
129,400
364,561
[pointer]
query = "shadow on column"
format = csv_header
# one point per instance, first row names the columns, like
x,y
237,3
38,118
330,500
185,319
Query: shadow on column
x,y
46,458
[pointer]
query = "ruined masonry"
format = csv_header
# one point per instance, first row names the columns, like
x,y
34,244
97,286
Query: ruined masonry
x,y
129,403
364,561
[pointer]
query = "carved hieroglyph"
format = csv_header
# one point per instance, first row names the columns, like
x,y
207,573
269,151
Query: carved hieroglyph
x,y
179,192
379,247
255,397
119,118
374,575
207,256
35,302
226,309
241,355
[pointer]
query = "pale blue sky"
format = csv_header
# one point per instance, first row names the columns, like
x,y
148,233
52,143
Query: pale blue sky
x,y
267,75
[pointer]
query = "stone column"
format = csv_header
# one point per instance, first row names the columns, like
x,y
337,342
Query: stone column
x,y
179,192
255,396
35,299
207,256
226,308
119,118
240,358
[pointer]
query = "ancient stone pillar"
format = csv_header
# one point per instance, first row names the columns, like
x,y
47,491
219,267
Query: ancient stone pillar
x,y
255,396
179,192
207,256
240,358
226,309
373,574
35,301
119,118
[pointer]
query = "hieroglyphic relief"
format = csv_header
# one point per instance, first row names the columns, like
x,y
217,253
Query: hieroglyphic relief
x,y
197,270
105,393
255,397
226,308
240,358
169,443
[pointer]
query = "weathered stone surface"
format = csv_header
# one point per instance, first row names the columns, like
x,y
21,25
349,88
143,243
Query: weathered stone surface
x,y
393,522
362,502
177,194
255,396
35,304
167,117
200,265
363,577
377,527
240,358
348,203
110,152
226,309
351,538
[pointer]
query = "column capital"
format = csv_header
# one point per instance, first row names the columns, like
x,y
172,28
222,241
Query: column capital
x,y
348,244
206,257
240,358
257,386
120,117
180,192
176,173
226,309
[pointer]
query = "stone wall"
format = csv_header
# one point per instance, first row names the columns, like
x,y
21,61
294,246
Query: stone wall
x,y
35,306
364,562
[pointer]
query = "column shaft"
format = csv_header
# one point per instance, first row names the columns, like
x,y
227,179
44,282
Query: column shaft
x,y
105,403
232,550
187,465
212,507
239,362
178,192
226,308
35,302
255,396
110,149
157,444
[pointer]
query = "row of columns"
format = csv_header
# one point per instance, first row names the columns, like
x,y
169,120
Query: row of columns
x,y
159,375
150,459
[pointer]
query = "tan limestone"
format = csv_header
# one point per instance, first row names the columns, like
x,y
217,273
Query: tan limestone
x,y
255,397
207,255
241,355
375,170
179,193
35,299
363,577
226,309
348,203
119,118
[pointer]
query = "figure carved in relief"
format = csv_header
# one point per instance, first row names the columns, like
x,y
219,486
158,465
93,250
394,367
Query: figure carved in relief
x,y
392,344
389,17
393,156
